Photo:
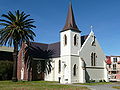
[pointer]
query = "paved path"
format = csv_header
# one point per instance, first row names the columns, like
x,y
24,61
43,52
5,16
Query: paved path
x,y
97,87
100,87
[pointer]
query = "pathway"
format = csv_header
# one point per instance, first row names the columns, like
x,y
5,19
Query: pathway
x,y
100,87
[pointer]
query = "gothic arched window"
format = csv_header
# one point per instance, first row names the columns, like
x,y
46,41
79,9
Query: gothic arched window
x,y
59,67
75,39
93,59
74,70
65,40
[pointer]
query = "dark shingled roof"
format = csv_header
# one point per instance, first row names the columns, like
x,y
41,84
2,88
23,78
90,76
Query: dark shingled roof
x,y
83,38
4,55
55,47
40,45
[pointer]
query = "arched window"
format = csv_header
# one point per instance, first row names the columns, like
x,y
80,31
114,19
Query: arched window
x,y
74,70
65,40
59,67
75,39
93,42
93,59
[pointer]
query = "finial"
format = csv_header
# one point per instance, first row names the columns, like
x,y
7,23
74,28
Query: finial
x,y
70,2
91,28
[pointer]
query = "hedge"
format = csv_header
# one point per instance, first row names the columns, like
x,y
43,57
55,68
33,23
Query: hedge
x,y
6,70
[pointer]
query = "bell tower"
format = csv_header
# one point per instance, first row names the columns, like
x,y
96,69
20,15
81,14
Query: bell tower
x,y
70,46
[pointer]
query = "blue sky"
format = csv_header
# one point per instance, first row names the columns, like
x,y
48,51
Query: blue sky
x,y
50,16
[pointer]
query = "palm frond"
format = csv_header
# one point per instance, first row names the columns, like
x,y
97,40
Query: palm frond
x,y
10,14
16,28
4,24
2,20
8,17
24,18
17,14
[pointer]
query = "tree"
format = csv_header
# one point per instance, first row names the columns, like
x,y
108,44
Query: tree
x,y
16,29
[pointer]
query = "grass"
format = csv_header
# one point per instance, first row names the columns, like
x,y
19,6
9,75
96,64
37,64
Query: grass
x,y
37,85
116,87
95,83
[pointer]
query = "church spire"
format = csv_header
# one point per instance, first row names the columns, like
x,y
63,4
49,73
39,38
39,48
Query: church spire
x,y
70,21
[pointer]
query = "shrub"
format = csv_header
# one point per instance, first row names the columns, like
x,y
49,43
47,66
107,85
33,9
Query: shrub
x,y
6,69
102,81
90,81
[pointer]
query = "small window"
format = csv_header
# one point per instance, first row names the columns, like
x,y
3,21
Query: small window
x,y
75,40
109,66
59,67
114,66
114,59
74,70
65,40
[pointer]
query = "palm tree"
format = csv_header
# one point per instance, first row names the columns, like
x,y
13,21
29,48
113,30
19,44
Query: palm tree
x,y
16,28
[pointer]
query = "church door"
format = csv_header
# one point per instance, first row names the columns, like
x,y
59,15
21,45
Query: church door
x,y
38,70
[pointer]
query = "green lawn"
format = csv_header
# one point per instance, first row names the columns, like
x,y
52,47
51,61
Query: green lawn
x,y
37,85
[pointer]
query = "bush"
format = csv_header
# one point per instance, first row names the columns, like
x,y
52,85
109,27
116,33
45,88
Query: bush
x,y
6,69
102,81
90,81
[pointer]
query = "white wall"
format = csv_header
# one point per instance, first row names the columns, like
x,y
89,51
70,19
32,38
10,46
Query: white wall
x,y
54,74
95,74
7,49
75,60
85,53
70,49
66,69
69,56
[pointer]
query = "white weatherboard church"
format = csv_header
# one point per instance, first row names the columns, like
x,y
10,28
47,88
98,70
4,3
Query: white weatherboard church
x,y
81,61
78,59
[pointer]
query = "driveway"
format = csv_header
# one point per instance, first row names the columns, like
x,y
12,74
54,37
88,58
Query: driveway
x,y
101,87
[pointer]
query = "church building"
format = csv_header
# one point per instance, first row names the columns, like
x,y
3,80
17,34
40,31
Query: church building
x,y
75,59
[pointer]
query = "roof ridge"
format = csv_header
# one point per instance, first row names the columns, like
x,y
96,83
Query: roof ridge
x,y
39,43
54,42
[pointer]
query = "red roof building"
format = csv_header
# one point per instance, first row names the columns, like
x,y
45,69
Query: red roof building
x,y
113,67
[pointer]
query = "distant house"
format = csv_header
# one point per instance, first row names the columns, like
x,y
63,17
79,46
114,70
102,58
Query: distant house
x,y
75,59
6,53
113,66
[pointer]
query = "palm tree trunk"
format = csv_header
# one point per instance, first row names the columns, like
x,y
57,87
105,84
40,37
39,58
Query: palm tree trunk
x,y
15,53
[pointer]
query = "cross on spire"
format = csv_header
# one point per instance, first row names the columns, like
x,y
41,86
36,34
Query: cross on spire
x,y
91,27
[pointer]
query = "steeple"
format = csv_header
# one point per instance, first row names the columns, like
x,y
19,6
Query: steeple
x,y
70,21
